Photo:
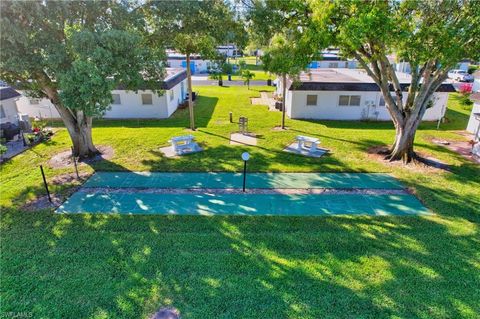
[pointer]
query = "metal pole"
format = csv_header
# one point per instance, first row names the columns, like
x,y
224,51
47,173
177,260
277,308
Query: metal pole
x,y
244,174
75,164
231,117
45,183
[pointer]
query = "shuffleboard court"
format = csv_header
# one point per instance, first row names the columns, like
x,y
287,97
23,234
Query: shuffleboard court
x,y
240,204
235,180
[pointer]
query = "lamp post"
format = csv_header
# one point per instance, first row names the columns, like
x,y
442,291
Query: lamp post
x,y
245,158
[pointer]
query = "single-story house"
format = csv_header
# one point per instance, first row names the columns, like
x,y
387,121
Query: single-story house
x,y
8,107
346,94
126,104
333,61
230,50
474,120
197,63
402,66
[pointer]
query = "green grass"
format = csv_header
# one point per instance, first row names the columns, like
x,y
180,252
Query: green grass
x,y
63,266
260,74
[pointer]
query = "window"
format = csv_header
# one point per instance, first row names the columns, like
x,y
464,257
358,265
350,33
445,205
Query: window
x,y
2,112
333,65
172,94
116,99
147,99
381,102
349,100
311,100
33,101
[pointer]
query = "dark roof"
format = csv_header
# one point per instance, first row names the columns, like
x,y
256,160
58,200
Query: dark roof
x,y
173,80
348,86
174,76
8,93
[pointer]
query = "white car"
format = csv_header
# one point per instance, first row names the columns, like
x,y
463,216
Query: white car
x,y
460,75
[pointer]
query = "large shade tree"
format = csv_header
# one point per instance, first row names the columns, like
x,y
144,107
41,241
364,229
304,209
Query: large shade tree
x,y
431,35
191,27
74,53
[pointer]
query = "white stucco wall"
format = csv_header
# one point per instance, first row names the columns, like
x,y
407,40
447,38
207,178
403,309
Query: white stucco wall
x,y
472,122
130,105
201,66
44,108
476,85
327,107
10,109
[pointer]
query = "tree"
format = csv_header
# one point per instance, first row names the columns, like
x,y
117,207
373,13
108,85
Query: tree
x,y
75,53
431,35
190,27
284,29
247,75
286,59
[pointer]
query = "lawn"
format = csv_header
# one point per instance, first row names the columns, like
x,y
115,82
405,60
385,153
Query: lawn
x,y
62,266
260,74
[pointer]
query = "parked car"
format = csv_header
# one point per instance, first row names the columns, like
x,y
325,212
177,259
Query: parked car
x,y
460,75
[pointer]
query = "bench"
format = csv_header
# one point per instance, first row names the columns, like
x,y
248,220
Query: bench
x,y
307,142
182,144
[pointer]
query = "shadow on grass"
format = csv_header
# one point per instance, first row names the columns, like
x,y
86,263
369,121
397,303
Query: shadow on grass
x,y
267,267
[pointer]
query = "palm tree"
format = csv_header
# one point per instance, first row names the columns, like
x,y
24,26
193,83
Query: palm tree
x,y
247,75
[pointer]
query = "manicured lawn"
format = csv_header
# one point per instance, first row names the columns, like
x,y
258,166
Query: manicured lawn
x,y
84,266
260,74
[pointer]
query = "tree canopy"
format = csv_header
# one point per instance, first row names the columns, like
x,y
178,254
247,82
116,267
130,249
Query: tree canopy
x,y
74,53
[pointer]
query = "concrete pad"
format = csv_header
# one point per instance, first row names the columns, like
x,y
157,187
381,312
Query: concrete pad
x,y
169,152
293,148
243,139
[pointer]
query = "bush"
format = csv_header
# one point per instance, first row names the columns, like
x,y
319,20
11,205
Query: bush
x,y
3,149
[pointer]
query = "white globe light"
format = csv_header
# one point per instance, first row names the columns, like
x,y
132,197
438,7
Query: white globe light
x,y
245,156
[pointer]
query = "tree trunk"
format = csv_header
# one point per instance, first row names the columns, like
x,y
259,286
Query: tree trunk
x,y
402,148
190,93
79,127
284,98
80,131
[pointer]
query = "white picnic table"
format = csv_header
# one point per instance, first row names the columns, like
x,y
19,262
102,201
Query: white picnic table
x,y
183,143
307,142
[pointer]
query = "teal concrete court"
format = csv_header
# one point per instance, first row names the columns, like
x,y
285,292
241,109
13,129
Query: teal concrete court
x,y
241,204
143,193
235,180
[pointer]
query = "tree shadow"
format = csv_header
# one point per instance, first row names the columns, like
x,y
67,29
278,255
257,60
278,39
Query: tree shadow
x,y
129,266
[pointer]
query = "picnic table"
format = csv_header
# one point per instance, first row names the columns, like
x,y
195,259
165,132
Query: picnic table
x,y
307,142
183,144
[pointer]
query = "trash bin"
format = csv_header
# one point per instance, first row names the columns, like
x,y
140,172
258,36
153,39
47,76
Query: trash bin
x,y
229,77
269,82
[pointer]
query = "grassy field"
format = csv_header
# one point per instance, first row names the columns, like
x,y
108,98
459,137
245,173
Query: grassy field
x,y
260,74
235,267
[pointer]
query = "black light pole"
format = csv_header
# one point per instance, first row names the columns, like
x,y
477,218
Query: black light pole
x,y
245,157
45,184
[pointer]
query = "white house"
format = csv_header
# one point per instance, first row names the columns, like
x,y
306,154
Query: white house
x,y
8,107
126,104
197,63
402,66
333,60
474,122
230,50
345,94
